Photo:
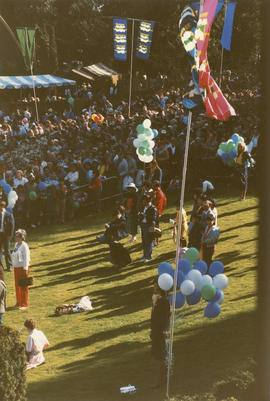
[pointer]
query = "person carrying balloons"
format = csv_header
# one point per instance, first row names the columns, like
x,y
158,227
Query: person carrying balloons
x,y
209,239
160,318
243,161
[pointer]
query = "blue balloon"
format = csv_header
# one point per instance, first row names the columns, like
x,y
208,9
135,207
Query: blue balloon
x,y
184,266
42,186
216,297
171,273
212,310
3,182
235,153
10,210
155,132
180,278
179,300
6,188
216,267
235,138
165,267
194,298
201,266
231,154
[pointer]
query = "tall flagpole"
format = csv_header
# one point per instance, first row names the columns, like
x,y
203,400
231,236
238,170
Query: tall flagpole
x,y
222,50
31,62
131,67
177,249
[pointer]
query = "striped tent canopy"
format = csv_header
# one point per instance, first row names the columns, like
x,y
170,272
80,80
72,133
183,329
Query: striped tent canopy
x,y
98,70
40,81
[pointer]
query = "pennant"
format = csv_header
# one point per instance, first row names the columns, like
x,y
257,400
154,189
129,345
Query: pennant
x,y
219,7
228,26
120,39
215,103
26,38
144,39
187,26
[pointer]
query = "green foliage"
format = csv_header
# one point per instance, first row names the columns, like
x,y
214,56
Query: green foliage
x,y
12,366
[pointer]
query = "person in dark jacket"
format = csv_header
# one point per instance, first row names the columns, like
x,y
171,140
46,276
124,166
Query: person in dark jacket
x,y
148,218
160,318
131,207
195,232
6,233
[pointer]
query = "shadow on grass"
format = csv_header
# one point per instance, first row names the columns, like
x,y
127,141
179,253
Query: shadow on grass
x,y
210,353
237,211
236,227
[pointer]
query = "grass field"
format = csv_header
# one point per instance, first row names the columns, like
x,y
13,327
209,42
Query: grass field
x,y
93,354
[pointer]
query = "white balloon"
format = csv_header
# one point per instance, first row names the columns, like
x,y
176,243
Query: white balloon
x,y
165,281
187,287
219,152
206,279
221,298
136,143
145,159
12,199
195,276
142,137
220,281
147,123
151,144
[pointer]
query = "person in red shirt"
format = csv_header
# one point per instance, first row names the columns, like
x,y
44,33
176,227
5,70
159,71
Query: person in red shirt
x,y
160,199
95,186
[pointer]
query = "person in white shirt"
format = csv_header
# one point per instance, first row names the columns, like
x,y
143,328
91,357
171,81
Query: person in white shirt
x,y
73,176
19,179
21,263
36,343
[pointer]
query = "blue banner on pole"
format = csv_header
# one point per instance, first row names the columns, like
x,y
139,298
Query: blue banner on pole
x,y
219,7
120,38
144,39
228,26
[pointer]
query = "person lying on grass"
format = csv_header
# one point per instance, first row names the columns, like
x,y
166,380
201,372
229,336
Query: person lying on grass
x,y
36,343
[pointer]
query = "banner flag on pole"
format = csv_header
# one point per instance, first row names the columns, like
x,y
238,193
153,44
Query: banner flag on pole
x,y
215,103
26,38
192,96
228,26
220,4
120,38
144,39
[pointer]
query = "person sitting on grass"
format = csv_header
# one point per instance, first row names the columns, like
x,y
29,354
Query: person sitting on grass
x,y
36,343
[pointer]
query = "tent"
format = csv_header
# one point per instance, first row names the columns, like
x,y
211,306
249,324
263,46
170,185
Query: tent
x,y
98,70
40,81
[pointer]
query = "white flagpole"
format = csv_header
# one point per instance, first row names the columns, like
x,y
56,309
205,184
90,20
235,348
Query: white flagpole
x,y
131,66
177,249
222,51
31,69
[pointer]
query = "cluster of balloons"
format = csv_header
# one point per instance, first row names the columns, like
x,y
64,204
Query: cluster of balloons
x,y
144,143
228,150
194,284
97,118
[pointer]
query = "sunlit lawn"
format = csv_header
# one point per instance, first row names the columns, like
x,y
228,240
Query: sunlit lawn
x,y
93,354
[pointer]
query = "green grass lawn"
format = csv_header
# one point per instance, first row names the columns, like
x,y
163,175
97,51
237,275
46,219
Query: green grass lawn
x,y
93,354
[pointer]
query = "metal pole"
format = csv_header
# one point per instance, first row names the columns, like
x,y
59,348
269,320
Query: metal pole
x,y
31,68
222,51
177,249
131,65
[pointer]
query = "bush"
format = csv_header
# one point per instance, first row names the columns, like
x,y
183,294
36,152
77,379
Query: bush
x,y
12,366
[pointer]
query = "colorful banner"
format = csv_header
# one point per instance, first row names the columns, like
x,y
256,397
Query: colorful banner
x,y
27,41
228,26
215,103
144,39
187,26
219,7
120,39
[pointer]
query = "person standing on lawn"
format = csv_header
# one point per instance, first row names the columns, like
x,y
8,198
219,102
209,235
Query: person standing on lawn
x,y
209,239
6,233
3,294
148,221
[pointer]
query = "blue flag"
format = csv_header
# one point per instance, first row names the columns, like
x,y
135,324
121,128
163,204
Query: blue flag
x,y
120,38
228,26
219,7
144,39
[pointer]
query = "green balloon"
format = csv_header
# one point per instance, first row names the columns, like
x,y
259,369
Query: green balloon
x,y
192,254
32,195
140,129
76,204
141,150
148,152
230,147
145,144
147,131
223,146
208,291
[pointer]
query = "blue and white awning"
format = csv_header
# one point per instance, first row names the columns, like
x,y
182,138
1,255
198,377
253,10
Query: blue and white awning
x,y
40,81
